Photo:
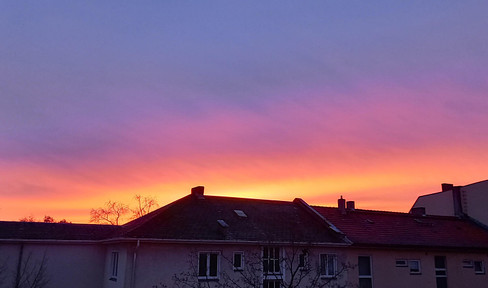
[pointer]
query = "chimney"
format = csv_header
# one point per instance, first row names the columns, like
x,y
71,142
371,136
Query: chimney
x,y
350,205
197,192
341,204
446,187
418,211
456,197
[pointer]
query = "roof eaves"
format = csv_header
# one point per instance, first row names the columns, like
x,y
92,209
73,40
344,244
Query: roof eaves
x,y
230,242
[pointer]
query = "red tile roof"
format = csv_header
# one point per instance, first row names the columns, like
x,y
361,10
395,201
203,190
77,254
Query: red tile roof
x,y
378,228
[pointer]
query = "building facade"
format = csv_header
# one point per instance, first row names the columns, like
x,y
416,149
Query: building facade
x,y
210,241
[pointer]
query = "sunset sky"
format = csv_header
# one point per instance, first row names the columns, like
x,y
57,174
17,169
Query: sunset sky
x,y
378,101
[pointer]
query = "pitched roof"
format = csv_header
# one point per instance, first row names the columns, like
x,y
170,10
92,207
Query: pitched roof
x,y
215,218
379,228
54,231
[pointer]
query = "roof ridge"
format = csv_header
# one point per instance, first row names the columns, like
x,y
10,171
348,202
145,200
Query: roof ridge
x,y
404,214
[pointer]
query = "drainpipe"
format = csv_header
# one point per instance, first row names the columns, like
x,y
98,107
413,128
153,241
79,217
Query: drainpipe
x,y
133,278
19,265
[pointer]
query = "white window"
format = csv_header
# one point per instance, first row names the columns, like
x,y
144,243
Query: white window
x,y
208,265
401,263
440,271
479,267
303,261
328,265
114,265
271,260
414,266
238,260
468,263
272,284
365,274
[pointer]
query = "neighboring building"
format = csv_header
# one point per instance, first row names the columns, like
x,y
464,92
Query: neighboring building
x,y
469,200
412,249
202,240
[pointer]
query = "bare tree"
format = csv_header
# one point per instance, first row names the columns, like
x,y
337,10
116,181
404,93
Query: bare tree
x,y
32,274
29,218
144,205
48,219
111,213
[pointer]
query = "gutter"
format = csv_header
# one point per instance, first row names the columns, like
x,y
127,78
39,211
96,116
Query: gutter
x,y
221,242
134,259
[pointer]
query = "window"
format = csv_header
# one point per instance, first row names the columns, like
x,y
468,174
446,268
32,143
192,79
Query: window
x,y
271,283
114,265
468,263
208,265
271,260
414,266
365,275
479,267
440,271
238,260
328,265
303,261
401,263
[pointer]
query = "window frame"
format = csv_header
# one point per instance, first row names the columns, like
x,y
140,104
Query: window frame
x,y
333,256
241,267
366,276
266,282
114,265
271,258
303,262
401,263
208,265
481,265
413,272
440,271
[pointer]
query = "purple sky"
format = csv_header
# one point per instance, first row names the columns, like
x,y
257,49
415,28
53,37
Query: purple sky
x,y
380,101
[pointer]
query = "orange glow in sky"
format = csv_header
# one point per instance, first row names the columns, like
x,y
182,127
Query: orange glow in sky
x,y
255,99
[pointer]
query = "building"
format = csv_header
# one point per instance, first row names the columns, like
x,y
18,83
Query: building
x,y
463,201
207,241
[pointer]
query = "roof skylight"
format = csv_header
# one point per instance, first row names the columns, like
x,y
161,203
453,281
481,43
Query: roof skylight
x,y
223,223
240,213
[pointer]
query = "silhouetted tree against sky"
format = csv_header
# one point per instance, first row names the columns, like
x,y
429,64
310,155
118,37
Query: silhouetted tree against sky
x,y
47,219
114,212
144,205
111,213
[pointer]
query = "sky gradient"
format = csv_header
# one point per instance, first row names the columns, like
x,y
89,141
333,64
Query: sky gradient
x,y
378,101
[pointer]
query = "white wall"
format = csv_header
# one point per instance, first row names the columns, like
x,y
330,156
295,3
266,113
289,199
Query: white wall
x,y
437,204
475,201
74,266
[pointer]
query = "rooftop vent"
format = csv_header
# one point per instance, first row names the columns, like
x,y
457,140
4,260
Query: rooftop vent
x,y
418,211
223,223
240,213
446,187
198,192
351,205
341,204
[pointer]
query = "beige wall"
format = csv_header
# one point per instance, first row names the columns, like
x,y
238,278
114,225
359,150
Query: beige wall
x,y
437,204
160,263
76,266
386,274
475,201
